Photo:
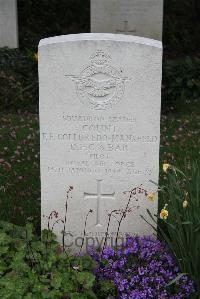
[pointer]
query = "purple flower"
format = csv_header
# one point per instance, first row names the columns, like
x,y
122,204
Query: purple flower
x,y
108,252
141,269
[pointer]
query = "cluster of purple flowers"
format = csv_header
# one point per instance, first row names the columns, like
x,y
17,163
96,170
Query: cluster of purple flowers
x,y
141,269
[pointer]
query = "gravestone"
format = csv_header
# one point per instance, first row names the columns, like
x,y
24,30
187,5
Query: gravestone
x,y
99,126
8,24
134,17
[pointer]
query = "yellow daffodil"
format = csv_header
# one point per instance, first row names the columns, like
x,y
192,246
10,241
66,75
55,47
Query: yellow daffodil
x,y
165,167
35,56
185,204
164,213
151,196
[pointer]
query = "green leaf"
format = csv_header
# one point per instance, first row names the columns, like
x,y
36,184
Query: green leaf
x,y
29,231
86,295
87,262
106,288
4,239
3,267
176,279
86,279
186,223
57,280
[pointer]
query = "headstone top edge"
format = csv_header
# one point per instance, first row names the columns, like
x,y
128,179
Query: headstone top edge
x,y
100,36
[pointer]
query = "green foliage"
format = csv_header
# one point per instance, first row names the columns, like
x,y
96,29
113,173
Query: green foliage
x,y
18,81
106,288
34,268
181,26
44,18
181,230
19,169
181,81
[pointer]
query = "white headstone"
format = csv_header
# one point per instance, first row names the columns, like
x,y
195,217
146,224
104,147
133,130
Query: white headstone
x,y
8,24
100,128
134,17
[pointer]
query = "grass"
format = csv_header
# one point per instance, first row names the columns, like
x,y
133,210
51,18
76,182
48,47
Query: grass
x,y
180,134
19,168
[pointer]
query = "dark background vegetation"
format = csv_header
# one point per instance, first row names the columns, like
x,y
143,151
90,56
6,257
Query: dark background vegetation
x,y
19,130
44,18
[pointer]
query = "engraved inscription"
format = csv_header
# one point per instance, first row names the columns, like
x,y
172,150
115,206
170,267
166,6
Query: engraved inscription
x,y
99,85
125,30
130,138
90,118
100,169
99,141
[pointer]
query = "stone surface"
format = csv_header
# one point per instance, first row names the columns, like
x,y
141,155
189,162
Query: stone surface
x,y
135,17
8,24
100,127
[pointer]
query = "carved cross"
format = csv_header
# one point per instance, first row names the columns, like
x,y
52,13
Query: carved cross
x,y
125,30
98,196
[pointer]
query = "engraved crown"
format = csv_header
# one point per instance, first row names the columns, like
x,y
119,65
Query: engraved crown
x,y
100,58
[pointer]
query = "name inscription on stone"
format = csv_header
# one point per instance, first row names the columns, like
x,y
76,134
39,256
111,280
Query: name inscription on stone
x,y
100,140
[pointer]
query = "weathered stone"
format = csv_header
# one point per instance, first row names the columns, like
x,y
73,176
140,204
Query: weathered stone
x,y
134,17
100,128
8,24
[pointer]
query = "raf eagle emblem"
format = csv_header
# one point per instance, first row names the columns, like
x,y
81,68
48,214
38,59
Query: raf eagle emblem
x,y
99,85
